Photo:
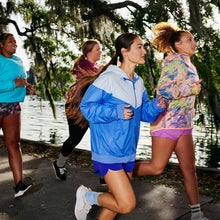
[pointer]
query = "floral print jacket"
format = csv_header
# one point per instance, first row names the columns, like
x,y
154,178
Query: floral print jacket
x,y
176,85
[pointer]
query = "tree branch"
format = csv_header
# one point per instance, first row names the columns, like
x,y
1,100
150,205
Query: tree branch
x,y
124,4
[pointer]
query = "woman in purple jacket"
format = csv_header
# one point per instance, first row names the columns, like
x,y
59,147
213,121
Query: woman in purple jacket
x,y
84,65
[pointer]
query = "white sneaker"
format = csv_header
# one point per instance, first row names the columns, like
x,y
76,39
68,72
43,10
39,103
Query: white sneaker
x,y
199,216
82,206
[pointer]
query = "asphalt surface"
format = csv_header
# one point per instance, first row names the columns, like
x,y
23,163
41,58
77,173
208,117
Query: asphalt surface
x,y
51,199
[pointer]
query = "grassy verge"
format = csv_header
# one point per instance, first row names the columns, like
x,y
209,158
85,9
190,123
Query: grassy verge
x,y
209,179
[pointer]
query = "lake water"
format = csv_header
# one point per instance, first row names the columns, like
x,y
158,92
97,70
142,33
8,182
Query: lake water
x,y
38,124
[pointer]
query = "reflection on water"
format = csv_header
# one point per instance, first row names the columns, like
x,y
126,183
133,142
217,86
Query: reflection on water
x,y
38,124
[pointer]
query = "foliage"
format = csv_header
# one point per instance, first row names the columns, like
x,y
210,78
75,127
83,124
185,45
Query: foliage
x,y
54,30
150,72
209,70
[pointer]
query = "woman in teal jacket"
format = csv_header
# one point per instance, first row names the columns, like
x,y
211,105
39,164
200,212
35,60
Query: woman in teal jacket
x,y
114,105
13,85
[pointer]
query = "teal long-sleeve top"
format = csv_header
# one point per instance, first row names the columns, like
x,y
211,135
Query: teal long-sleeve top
x,y
11,69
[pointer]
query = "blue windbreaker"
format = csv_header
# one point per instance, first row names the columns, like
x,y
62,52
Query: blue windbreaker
x,y
10,69
113,139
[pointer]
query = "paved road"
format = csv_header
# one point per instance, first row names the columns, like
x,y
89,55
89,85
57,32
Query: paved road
x,y
52,199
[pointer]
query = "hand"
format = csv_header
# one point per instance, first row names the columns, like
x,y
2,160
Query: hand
x,y
20,82
128,113
197,87
30,88
162,102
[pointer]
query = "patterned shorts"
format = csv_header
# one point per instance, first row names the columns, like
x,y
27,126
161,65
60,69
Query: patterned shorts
x,y
9,108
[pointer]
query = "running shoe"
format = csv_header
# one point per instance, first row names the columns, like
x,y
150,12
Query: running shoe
x,y
21,189
82,206
60,172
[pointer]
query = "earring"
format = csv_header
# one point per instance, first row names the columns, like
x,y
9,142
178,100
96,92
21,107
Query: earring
x,y
118,61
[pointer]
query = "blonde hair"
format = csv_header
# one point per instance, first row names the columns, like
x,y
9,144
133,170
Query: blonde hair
x,y
86,48
165,37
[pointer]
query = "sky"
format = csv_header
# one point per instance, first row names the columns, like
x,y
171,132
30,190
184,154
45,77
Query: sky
x,y
22,54
20,50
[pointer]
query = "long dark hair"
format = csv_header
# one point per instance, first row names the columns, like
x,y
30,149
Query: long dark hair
x,y
124,40
75,95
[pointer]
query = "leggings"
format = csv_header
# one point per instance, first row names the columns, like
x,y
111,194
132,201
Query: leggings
x,y
76,134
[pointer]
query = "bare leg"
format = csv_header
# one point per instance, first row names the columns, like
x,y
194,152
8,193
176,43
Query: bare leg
x,y
121,197
11,130
162,149
186,156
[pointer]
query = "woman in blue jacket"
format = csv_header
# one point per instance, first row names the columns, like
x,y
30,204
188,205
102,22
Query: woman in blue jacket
x,y
13,85
114,105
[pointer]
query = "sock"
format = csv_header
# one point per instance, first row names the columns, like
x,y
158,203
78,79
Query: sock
x,y
195,210
61,160
92,197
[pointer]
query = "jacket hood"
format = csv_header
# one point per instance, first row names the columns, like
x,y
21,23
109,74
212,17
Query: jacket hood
x,y
113,68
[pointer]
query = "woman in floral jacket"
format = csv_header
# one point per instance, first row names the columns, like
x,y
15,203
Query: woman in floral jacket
x,y
179,84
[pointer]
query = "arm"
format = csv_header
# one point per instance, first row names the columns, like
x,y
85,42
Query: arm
x,y
30,88
151,109
96,110
7,85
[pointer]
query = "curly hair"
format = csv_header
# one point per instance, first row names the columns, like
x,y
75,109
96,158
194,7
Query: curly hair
x,y
165,37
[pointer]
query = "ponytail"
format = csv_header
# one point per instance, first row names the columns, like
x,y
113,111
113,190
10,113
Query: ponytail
x,y
77,61
113,61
